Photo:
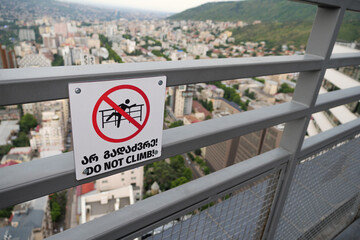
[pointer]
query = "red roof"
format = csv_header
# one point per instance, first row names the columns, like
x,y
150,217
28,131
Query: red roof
x,y
9,163
192,119
199,108
87,187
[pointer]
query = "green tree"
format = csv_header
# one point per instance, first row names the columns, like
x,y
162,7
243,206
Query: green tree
x,y
58,206
176,124
191,156
4,149
179,181
177,163
249,94
187,174
21,141
157,53
285,88
27,122
231,95
259,79
165,173
126,36
58,60
6,212
108,44
206,170
208,105
55,212
197,152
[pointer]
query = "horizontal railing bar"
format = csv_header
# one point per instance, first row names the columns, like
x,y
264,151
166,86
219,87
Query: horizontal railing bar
x,y
355,6
349,5
131,219
325,3
56,173
42,84
322,140
336,98
343,60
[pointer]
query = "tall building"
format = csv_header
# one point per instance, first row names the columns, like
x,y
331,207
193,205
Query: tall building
x,y
241,148
26,35
7,58
61,29
181,99
50,41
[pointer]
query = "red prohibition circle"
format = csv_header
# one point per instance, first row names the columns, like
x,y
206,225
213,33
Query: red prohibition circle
x,y
103,97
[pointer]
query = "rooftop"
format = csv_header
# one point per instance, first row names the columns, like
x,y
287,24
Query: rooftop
x,y
24,223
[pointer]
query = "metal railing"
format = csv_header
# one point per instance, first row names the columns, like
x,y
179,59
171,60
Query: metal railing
x,y
276,168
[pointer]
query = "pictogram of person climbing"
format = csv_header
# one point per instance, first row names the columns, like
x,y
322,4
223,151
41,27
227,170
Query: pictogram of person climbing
x,y
123,106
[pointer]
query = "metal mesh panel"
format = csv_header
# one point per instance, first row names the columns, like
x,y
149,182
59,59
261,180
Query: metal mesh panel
x,y
324,194
241,214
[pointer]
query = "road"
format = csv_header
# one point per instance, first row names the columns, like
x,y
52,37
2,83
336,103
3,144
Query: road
x,y
188,163
191,165
70,194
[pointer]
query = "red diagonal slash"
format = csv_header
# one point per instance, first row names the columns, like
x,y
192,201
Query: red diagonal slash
x,y
122,112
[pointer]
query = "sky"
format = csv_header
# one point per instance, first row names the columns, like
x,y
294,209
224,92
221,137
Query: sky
x,y
153,5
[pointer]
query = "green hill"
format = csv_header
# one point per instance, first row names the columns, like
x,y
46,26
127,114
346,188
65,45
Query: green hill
x,y
251,10
283,21
293,33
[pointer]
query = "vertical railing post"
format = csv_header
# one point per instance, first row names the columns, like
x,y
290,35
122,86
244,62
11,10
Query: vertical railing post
x,y
321,42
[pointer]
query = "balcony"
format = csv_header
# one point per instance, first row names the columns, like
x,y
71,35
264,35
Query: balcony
x,y
305,189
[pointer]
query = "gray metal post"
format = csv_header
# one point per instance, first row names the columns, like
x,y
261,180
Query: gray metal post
x,y
321,42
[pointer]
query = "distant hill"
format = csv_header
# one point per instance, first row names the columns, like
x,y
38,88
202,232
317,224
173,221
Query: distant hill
x,y
251,10
283,21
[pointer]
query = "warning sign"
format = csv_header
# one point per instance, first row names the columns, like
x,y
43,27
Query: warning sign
x,y
116,123
113,114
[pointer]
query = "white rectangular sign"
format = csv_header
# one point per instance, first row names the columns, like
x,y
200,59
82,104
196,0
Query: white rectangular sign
x,y
116,123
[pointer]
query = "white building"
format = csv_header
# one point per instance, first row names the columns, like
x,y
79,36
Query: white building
x,y
34,60
26,35
50,134
6,128
333,80
134,177
181,99
94,205
270,87
197,49
60,107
